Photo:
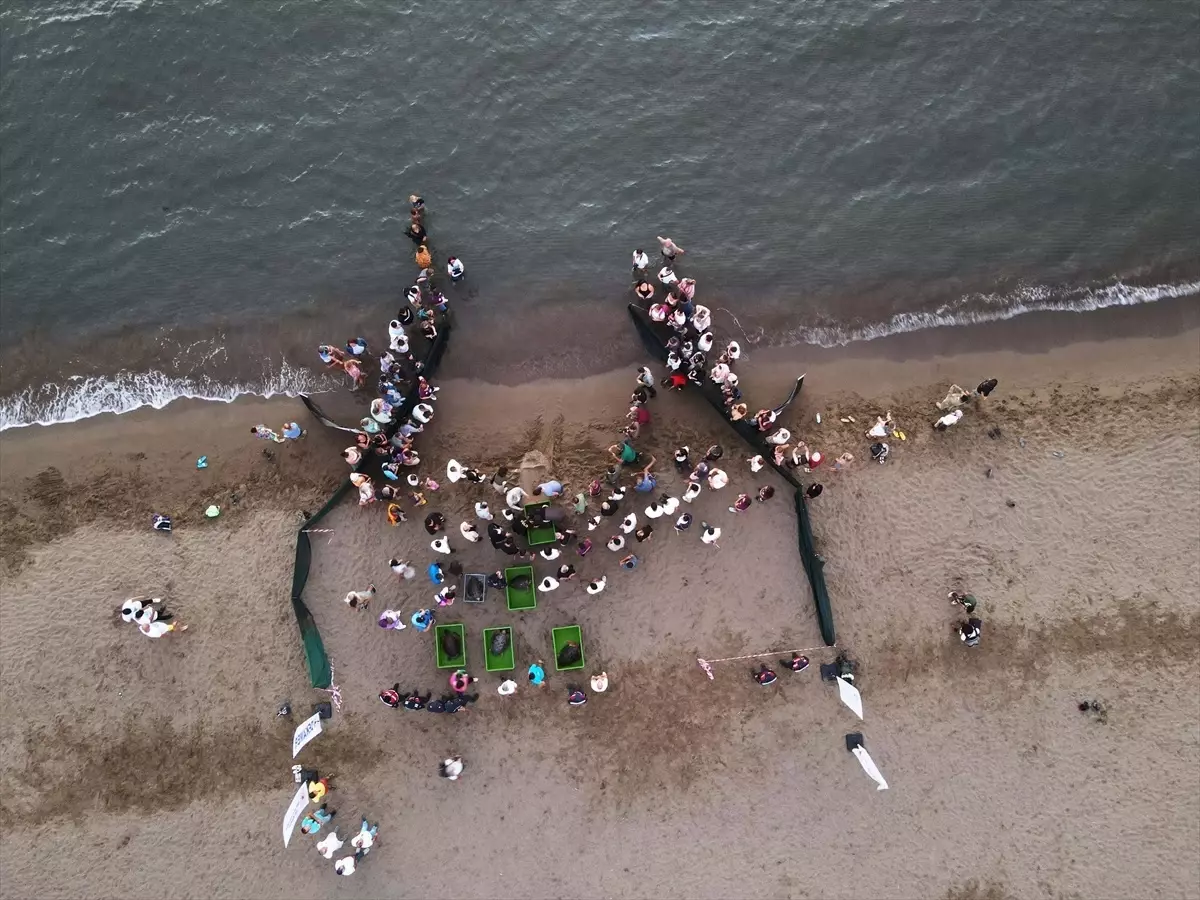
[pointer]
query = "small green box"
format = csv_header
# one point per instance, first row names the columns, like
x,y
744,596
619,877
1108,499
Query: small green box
x,y
542,535
444,661
524,598
506,660
563,636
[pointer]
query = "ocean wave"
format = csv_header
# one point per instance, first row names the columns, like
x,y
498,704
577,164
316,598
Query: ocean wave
x,y
974,309
81,398
77,11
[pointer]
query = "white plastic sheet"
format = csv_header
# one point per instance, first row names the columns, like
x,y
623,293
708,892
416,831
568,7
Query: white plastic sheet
x,y
868,764
849,695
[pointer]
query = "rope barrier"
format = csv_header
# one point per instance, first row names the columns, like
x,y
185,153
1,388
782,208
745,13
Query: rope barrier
x,y
706,664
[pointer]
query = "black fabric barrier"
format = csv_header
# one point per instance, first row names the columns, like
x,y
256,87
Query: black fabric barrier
x,y
320,673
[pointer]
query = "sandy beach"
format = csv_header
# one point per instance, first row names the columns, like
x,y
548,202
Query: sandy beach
x,y
137,768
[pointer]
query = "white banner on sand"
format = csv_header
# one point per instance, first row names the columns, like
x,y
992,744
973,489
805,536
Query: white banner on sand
x,y
849,695
868,764
299,802
305,732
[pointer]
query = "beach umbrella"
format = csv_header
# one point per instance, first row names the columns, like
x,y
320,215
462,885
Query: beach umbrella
x,y
849,695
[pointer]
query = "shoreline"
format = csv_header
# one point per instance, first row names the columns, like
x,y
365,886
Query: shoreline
x,y
1035,333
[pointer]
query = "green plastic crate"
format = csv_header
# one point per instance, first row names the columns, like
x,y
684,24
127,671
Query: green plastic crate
x,y
543,535
520,599
507,660
562,636
444,661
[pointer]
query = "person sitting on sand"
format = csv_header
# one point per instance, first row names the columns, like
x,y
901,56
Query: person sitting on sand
x,y
331,355
764,419
311,824
741,504
966,601
948,420
797,663
360,600
882,428
624,453
764,675
955,397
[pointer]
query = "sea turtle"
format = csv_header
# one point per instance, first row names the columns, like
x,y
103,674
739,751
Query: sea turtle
x,y
521,583
569,654
499,642
474,590
450,644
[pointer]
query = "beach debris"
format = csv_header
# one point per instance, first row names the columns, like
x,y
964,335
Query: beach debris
x,y
1021,441
818,418
994,432
988,473
1010,503
202,462
213,511
1057,454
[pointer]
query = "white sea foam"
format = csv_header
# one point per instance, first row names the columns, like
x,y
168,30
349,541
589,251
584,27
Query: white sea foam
x,y
81,398
995,308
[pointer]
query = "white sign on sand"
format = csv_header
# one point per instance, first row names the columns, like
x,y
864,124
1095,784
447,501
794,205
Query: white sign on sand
x,y
299,802
849,695
305,732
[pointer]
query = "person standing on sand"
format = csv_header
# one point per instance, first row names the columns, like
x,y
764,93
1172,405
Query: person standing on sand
x,y
292,431
986,387
330,845
669,249
970,631
451,768
345,865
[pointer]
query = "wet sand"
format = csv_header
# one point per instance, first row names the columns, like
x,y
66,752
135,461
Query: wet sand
x,y
139,768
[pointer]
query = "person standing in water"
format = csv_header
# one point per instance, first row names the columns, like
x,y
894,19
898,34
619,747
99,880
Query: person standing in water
x,y
669,249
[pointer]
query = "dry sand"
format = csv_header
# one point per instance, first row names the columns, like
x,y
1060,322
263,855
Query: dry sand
x,y
137,768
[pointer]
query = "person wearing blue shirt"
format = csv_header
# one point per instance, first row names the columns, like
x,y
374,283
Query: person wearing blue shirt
x,y
548,489
537,675
646,482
